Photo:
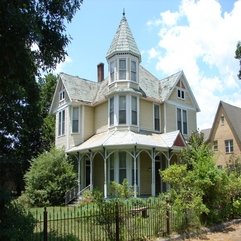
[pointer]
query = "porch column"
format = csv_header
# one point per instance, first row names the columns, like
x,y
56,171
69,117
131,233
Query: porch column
x,y
135,177
79,182
105,173
91,170
153,171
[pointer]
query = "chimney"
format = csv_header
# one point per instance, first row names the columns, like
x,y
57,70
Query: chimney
x,y
100,72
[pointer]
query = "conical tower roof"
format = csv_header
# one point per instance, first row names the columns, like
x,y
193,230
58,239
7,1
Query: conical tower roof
x,y
123,41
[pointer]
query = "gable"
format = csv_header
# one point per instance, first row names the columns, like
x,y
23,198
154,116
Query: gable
x,y
179,141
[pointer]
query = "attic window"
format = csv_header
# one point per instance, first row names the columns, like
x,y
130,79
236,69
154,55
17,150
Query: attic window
x,y
61,93
180,94
222,120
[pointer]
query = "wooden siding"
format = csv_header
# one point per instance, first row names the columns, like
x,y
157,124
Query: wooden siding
x,y
101,117
171,117
146,115
88,118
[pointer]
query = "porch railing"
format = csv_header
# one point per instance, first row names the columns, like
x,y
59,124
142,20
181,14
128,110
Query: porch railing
x,y
74,193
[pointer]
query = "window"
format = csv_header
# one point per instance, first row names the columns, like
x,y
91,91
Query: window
x,y
134,110
215,145
133,70
61,127
112,168
122,109
222,120
112,111
112,71
180,94
75,120
156,118
182,120
122,69
229,146
122,166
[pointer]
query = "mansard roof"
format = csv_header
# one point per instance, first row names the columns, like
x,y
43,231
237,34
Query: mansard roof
x,y
123,41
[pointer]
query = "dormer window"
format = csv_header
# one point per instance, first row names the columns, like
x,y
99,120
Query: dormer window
x,y
122,69
180,94
133,70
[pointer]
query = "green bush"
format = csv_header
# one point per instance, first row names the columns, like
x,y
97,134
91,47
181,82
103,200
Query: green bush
x,y
121,190
16,223
49,177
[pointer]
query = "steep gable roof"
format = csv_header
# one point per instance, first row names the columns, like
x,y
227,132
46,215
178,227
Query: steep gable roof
x,y
233,116
123,41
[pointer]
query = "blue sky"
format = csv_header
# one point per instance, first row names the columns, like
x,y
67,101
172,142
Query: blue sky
x,y
196,36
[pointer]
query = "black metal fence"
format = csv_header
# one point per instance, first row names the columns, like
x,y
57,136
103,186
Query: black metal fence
x,y
111,220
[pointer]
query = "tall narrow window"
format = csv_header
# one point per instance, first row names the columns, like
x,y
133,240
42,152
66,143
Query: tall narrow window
x,y
61,93
182,120
75,120
180,94
112,111
179,119
215,145
112,71
122,69
133,70
112,168
122,166
229,146
156,117
61,119
134,110
122,109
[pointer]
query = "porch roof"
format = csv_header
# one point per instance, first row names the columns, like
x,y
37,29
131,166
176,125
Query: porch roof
x,y
124,139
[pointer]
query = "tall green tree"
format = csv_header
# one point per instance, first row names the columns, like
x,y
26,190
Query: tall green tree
x,y
238,56
32,39
47,88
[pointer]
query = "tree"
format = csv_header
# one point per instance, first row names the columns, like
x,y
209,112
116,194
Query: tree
x,y
32,39
50,176
238,56
47,88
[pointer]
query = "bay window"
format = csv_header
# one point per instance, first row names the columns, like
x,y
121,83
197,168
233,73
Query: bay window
x,y
134,110
122,109
122,69
133,70
111,111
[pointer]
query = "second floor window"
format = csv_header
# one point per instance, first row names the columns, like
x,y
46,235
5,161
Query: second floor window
x,y
215,145
122,110
61,120
182,120
229,146
122,69
134,110
156,118
112,111
75,120
112,71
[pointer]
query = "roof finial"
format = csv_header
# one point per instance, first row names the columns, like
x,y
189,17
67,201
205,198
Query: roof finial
x,y
124,12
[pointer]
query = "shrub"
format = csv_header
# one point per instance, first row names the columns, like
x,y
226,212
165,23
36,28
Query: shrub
x,y
49,177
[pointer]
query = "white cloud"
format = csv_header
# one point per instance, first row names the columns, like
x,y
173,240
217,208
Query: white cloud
x,y
201,40
60,67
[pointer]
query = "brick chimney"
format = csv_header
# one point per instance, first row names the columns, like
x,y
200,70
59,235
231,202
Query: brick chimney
x,y
100,72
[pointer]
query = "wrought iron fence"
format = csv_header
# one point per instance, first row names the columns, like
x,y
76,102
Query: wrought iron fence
x,y
111,220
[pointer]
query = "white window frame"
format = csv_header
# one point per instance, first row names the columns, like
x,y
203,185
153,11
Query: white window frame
x,y
182,127
61,123
78,119
133,70
181,93
134,110
156,117
112,106
112,71
122,70
228,146
124,110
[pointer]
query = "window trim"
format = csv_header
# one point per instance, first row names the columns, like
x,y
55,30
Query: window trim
x,y
78,120
133,71
124,110
229,147
134,111
183,125
111,113
215,145
181,93
61,123
122,70
156,118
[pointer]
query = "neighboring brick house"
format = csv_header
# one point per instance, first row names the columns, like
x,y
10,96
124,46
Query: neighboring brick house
x,y
225,134
127,125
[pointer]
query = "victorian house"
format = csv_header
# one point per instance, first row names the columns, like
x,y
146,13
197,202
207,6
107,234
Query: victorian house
x,y
127,125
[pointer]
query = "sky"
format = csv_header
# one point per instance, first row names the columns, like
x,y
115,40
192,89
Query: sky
x,y
196,36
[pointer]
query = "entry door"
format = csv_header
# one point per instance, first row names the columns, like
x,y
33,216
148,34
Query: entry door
x,y
158,177
87,173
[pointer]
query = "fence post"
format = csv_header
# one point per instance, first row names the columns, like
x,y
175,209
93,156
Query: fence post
x,y
45,231
168,220
117,222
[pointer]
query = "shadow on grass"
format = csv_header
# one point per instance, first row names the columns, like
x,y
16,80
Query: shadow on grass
x,y
54,236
